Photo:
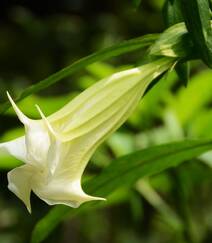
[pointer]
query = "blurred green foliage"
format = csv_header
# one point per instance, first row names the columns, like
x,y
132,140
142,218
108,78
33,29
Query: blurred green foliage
x,y
173,206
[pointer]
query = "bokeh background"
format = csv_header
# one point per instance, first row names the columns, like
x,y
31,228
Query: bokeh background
x,y
39,38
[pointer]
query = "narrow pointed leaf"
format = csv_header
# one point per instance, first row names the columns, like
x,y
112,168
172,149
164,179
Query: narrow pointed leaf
x,y
172,12
113,51
197,17
125,171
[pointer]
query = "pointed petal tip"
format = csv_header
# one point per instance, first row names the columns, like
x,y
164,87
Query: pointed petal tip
x,y
45,120
10,98
29,209
27,204
92,198
18,183
42,116
8,94
71,202
24,119
99,198
48,125
85,199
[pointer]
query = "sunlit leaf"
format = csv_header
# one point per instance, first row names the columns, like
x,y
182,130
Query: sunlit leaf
x,y
190,100
173,42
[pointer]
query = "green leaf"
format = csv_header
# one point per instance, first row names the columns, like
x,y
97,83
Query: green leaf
x,y
172,12
188,103
173,42
201,125
124,172
167,213
197,18
136,3
115,50
183,72
172,15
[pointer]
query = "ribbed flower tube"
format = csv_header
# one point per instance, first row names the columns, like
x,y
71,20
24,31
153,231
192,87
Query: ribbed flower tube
x,y
56,149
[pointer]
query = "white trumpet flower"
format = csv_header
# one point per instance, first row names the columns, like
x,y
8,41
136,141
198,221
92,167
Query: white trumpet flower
x,y
56,149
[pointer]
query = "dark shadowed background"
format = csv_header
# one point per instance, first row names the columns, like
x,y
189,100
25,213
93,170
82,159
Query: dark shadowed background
x,y
38,38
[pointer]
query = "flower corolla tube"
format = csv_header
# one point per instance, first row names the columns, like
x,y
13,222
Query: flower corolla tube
x,y
56,149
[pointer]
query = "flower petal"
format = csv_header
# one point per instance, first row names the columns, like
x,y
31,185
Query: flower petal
x,y
36,138
24,119
52,132
20,183
16,148
64,192
37,142
95,105
94,99
74,155
59,147
69,158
